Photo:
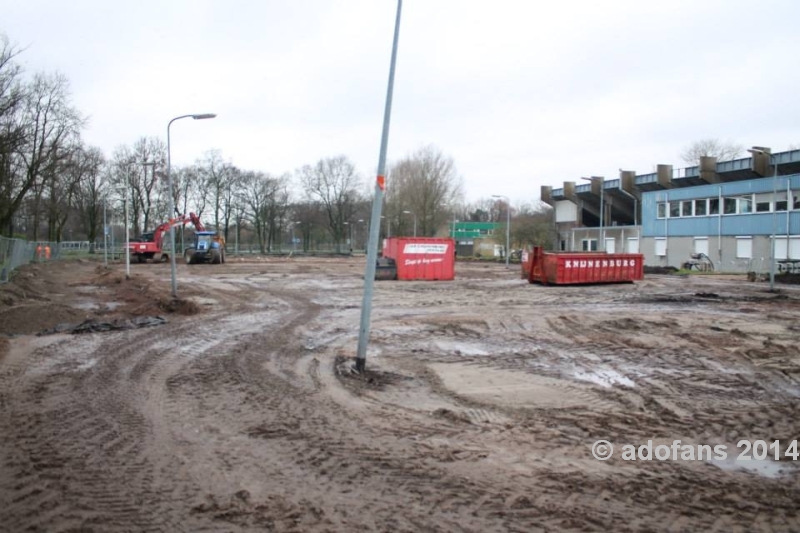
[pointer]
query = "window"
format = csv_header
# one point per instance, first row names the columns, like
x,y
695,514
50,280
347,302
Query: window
x,y
633,245
781,248
796,202
729,206
745,205
780,205
763,207
687,208
674,209
589,245
700,208
563,247
661,246
794,247
744,247
701,245
713,206
662,210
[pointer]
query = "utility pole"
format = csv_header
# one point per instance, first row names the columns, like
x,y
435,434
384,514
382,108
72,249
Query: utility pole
x,y
377,204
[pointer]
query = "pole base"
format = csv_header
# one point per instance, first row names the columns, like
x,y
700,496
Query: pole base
x,y
361,365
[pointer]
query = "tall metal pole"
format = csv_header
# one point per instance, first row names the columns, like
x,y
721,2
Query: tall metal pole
x,y
377,203
775,223
127,239
170,211
602,214
112,237
171,203
105,235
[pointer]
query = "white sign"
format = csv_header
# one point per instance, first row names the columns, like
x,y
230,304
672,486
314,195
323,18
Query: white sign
x,y
420,248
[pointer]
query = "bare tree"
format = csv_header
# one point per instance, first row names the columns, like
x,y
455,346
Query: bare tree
x,y
62,188
216,187
51,125
532,224
267,199
333,183
308,216
92,186
426,184
152,185
12,132
723,151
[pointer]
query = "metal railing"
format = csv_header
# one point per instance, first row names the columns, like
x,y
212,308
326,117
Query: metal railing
x,y
17,252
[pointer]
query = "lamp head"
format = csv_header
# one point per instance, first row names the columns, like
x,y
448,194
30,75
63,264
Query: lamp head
x,y
202,116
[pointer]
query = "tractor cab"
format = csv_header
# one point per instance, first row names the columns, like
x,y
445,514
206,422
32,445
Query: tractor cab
x,y
205,240
208,247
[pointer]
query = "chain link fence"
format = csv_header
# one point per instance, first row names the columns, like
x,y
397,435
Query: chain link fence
x,y
17,252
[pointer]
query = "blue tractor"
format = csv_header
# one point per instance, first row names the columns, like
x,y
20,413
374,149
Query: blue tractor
x,y
208,247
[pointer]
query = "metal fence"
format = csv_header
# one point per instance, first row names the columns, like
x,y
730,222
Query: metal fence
x,y
17,252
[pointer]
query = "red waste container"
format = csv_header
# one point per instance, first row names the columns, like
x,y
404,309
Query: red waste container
x,y
422,258
570,268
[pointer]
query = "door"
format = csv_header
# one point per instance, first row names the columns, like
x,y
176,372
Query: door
x,y
611,245
633,245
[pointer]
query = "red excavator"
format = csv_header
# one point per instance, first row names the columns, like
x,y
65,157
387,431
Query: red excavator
x,y
153,245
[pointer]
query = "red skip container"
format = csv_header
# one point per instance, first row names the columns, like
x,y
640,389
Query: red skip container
x,y
422,258
571,268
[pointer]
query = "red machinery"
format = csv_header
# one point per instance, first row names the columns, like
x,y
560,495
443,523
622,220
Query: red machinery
x,y
569,268
151,243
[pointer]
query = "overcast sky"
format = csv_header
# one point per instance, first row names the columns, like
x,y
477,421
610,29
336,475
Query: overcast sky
x,y
518,93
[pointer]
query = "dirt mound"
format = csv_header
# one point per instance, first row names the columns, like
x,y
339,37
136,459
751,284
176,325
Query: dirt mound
x,y
39,297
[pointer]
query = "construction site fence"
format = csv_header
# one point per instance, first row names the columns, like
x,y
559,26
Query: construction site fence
x,y
17,252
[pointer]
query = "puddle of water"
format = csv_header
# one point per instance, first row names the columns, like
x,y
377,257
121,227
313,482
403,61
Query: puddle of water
x,y
762,467
86,365
86,306
604,378
113,305
460,348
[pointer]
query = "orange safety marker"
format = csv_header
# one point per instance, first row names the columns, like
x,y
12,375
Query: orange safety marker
x,y
382,182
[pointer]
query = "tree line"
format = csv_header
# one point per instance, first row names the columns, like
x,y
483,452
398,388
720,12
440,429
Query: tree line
x,y
55,187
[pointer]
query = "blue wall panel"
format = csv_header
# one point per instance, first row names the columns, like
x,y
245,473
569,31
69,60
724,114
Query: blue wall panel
x,y
746,224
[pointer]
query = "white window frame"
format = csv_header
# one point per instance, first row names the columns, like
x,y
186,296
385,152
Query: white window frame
x,y
704,203
661,242
589,247
794,246
744,247
703,241
781,247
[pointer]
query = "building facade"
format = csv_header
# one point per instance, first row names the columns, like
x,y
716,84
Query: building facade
x,y
724,213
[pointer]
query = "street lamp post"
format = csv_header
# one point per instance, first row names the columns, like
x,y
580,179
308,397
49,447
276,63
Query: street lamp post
x,y
508,223
602,231
127,239
200,116
774,214
377,201
105,235
415,220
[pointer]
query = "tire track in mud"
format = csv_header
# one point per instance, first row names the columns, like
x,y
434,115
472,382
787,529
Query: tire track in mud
x,y
235,421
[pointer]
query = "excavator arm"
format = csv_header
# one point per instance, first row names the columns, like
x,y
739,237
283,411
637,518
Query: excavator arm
x,y
181,220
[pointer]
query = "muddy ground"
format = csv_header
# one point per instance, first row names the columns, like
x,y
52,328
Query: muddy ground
x,y
478,412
